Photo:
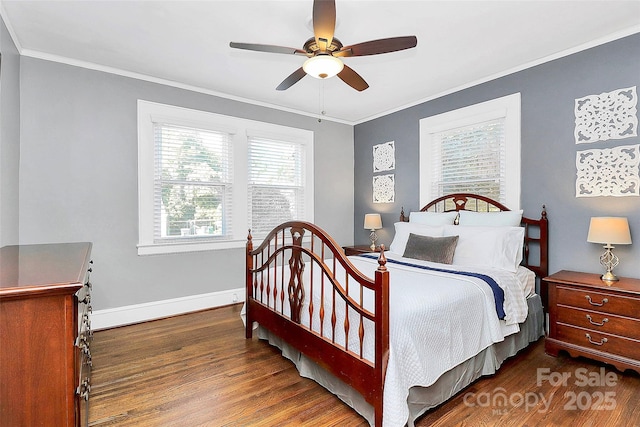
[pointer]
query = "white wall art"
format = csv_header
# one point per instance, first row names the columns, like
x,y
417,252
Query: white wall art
x,y
383,189
610,115
384,157
608,172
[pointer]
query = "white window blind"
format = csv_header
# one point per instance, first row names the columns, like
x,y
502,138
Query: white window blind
x,y
204,179
192,183
276,183
474,149
470,159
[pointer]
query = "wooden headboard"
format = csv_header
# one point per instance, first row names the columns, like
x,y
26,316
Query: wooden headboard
x,y
536,234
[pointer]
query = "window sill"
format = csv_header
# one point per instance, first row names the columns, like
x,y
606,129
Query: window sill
x,y
183,247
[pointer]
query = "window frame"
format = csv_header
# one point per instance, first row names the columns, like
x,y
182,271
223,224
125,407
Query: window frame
x,y
507,107
239,129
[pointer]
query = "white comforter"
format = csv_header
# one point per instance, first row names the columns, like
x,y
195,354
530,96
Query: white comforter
x,y
437,321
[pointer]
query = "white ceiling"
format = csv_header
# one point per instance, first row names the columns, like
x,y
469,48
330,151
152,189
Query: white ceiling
x,y
186,43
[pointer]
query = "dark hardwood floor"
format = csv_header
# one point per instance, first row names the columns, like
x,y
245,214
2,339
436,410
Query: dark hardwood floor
x,y
199,370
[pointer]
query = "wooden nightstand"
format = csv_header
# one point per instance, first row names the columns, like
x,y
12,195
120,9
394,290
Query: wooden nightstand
x,y
358,249
588,317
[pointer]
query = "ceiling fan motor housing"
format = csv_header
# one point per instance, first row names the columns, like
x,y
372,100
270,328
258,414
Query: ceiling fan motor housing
x,y
312,48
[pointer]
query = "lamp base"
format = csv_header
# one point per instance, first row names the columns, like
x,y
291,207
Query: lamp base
x,y
373,237
609,277
609,261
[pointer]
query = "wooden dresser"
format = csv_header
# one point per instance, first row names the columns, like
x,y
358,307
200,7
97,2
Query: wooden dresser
x,y
591,318
45,361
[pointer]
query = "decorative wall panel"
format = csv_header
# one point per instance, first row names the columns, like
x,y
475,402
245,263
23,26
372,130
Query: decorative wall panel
x,y
610,115
384,157
383,189
608,172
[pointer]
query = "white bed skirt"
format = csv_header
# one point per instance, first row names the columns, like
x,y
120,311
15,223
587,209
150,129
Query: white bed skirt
x,y
421,399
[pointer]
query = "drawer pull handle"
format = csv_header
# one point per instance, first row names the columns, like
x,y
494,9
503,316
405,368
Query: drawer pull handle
x,y
605,320
84,389
604,301
602,341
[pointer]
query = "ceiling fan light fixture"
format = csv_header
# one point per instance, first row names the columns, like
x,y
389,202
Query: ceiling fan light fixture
x,y
322,66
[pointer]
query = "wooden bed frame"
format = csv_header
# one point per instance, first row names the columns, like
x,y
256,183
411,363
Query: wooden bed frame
x,y
292,244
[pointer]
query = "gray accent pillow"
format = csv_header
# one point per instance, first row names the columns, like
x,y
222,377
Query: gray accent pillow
x,y
434,249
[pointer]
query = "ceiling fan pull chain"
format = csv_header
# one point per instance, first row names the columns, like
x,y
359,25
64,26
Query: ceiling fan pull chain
x,y
321,101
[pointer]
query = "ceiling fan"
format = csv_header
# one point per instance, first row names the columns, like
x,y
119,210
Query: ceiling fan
x,y
324,51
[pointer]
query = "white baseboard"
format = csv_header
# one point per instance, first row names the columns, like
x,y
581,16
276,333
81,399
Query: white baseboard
x,y
127,315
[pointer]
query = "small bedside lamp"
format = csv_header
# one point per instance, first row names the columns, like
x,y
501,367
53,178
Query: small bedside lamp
x,y
373,222
609,230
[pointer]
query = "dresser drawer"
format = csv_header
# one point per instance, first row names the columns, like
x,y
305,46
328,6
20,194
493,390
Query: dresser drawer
x,y
594,340
601,322
599,301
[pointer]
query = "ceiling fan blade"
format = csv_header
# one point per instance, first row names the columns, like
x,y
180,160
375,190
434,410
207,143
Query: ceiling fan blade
x,y
292,79
375,47
353,79
324,22
267,48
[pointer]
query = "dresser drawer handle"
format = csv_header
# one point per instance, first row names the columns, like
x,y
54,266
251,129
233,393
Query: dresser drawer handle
x,y
604,301
602,341
84,389
605,320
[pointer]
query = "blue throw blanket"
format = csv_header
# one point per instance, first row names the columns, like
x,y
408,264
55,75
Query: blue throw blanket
x,y
498,293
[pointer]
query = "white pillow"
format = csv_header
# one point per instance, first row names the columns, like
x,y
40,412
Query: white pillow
x,y
503,218
433,218
403,229
491,246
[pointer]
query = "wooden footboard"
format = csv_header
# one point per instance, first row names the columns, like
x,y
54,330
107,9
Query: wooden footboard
x,y
302,287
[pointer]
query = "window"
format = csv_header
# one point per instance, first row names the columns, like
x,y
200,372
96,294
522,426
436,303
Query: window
x,y
205,179
192,183
474,149
276,186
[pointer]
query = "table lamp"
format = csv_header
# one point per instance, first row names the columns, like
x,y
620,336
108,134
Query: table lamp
x,y
609,230
373,222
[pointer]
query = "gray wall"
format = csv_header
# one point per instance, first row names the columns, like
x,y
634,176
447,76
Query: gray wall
x,y
9,138
548,152
78,179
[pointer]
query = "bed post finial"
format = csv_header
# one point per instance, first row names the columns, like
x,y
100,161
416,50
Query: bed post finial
x,y
249,241
544,212
402,217
382,260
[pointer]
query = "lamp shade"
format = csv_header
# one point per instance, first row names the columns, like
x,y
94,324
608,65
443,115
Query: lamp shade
x,y
609,230
372,221
322,66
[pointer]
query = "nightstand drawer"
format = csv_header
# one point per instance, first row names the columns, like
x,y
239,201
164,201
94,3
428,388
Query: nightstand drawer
x,y
599,301
606,343
600,322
